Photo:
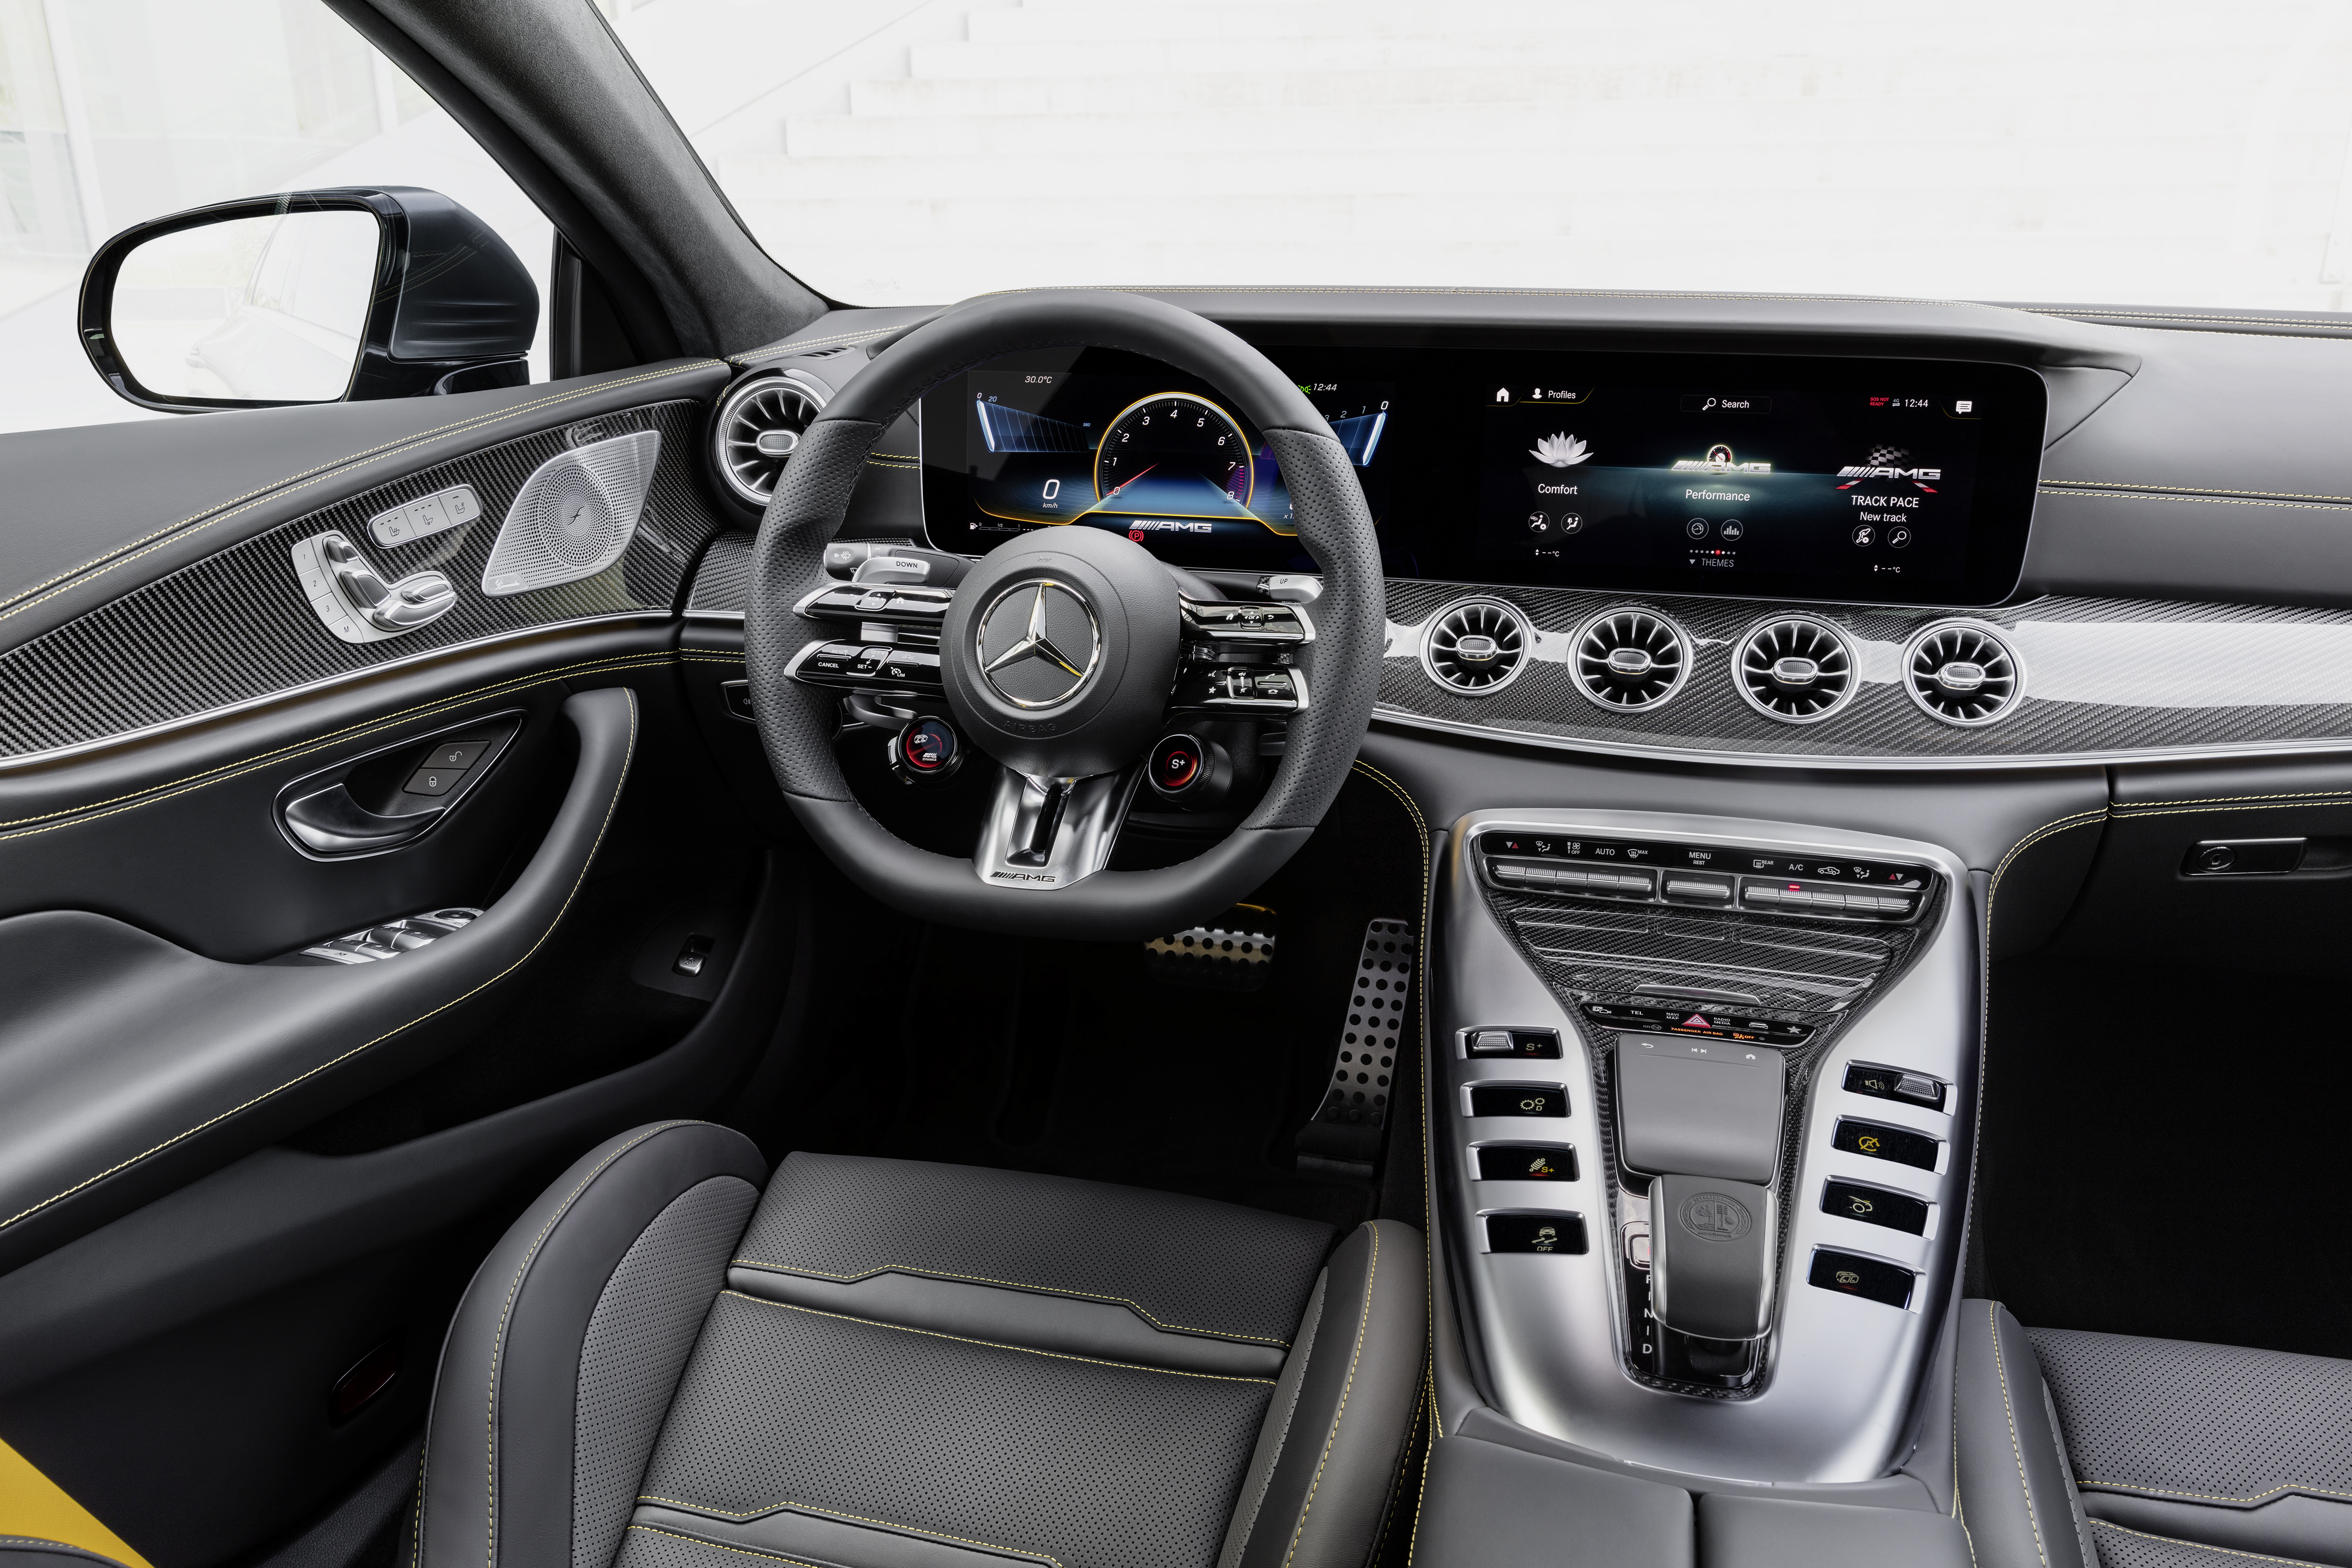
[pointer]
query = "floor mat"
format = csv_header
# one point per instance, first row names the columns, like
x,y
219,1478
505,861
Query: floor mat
x,y
1072,1059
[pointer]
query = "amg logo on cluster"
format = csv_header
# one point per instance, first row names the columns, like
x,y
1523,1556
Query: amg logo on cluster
x,y
1865,471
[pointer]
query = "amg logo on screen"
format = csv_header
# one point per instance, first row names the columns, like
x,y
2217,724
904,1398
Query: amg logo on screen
x,y
1864,471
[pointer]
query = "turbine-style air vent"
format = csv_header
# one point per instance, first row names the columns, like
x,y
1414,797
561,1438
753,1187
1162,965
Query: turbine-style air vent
x,y
1629,660
1475,647
1962,672
1796,670
759,425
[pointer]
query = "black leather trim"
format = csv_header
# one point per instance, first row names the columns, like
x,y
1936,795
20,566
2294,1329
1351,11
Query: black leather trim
x,y
1046,1322
2306,1529
1330,1489
99,509
1487,1505
2017,1494
497,1487
1770,1533
806,1537
132,1064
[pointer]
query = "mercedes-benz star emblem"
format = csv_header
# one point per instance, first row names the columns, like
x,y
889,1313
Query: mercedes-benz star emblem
x,y
1038,644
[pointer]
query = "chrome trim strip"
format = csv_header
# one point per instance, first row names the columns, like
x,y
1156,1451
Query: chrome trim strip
x,y
310,689
1387,713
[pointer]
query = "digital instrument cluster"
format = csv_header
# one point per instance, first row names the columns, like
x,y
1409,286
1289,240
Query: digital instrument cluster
x,y
1904,481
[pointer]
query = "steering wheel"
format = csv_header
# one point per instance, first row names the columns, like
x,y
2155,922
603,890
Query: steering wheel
x,y
1065,652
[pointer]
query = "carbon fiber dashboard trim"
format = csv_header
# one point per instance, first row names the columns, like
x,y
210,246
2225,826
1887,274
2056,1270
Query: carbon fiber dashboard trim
x,y
2109,680
236,628
722,583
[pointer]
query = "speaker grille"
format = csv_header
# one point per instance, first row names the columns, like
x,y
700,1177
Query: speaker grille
x,y
573,517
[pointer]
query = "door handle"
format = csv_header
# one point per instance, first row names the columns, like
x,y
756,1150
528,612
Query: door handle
x,y
331,822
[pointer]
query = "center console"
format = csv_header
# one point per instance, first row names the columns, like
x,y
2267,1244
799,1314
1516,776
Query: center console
x,y
1703,1105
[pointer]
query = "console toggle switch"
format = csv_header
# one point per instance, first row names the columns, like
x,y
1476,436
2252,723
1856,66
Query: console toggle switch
x,y
1684,887
1895,1084
1518,1100
1528,1044
1878,1141
1852,1274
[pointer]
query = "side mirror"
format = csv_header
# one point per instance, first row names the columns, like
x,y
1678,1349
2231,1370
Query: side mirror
x,y
323,297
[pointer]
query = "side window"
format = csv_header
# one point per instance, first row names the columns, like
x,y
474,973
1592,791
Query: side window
x,y
116,111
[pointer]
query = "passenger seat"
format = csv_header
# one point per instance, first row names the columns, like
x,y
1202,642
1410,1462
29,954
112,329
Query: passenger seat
x,y
2088,1450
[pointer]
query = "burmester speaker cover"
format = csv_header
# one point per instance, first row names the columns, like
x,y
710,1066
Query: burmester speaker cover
x,y
574,516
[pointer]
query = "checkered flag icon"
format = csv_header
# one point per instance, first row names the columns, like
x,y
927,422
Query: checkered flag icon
x,y
1887,457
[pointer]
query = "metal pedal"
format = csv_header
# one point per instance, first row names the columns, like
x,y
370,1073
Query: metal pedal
x,y
1345,1132
1236,954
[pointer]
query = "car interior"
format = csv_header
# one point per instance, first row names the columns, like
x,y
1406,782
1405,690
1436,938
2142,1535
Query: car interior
x,y
1156,927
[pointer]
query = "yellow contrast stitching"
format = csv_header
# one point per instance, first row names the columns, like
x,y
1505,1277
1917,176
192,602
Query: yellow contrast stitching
x,y
1420,956
722,1546
803,345
149,794
2201,810
1363,1326
98,565
2218,799
331,1061
2199,501
506,1315
2001,1367
2214,1496
2190,490
2252,1556
992,1344
1137,1307
853,1518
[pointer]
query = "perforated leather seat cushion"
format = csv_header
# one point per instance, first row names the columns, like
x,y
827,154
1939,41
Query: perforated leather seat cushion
x,y
1046,1455
2213,1424
1184,1265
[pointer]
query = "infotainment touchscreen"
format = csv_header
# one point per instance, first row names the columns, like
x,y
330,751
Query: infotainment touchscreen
x,y
1872,479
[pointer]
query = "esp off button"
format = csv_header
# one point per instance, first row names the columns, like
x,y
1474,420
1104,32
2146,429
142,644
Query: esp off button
x,y
927,751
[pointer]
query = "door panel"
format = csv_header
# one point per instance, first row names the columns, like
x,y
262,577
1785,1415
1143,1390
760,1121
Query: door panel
x,y
228,1175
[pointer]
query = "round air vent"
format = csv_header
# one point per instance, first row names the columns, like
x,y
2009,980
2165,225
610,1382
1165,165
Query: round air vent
x,y
1962,672
759,425
1796,670
1475,647
1629,660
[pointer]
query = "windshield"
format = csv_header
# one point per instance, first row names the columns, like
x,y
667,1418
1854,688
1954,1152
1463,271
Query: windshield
x,y
2100,153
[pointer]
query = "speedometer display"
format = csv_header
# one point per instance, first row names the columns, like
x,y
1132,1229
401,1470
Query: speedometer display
x,y
1175,452
1132,449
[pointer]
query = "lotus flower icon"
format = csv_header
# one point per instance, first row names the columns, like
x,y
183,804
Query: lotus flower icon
x,y
1561,451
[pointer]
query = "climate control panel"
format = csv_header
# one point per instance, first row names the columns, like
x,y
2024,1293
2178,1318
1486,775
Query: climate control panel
x,y
1703,876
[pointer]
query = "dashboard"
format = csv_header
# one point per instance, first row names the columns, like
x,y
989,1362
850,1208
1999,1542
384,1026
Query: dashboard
x,y
1887,480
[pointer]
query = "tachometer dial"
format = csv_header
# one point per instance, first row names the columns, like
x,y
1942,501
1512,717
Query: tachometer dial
x,y
1189,453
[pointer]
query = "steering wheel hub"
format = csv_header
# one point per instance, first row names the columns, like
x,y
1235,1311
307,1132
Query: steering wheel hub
x,y
1059,651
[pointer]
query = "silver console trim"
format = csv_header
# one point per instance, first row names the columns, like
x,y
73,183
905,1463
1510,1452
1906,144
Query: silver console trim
x,y
1835,1401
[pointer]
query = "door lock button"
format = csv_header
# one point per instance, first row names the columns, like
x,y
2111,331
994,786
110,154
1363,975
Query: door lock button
x,y
433,781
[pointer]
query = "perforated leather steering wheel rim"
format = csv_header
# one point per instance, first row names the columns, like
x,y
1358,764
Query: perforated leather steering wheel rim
x,y
797,723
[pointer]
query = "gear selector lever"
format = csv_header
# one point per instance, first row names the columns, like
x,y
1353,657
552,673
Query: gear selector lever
x,y
1701,1118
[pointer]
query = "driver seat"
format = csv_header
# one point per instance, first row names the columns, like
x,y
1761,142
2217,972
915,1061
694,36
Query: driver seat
x,y
884,1363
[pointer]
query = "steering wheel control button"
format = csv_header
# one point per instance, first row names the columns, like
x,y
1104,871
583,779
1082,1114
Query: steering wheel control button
x,y
893,603
1544,1234
1525,1045
1518,1100
1852,1274
926,752
1189,771
1246,623
1875,1205
1526,1163
1894,1083
1899,1144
